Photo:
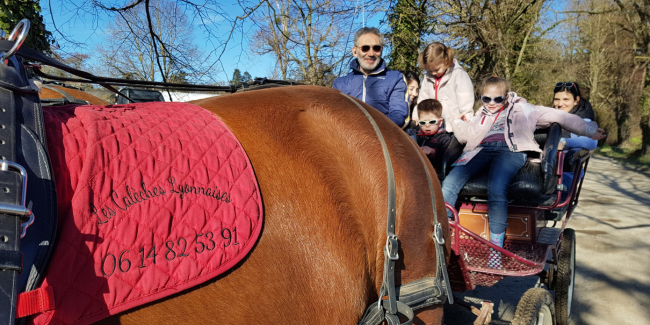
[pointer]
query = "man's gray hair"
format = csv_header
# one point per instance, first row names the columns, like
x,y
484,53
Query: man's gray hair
x,y
368,30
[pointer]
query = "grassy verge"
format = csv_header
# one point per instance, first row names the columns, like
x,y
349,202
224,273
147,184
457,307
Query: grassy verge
x,y
630,153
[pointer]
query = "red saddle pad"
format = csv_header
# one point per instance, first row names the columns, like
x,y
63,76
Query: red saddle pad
x,y
153,198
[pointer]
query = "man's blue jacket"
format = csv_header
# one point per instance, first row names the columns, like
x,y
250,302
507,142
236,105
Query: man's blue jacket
x,y
383,89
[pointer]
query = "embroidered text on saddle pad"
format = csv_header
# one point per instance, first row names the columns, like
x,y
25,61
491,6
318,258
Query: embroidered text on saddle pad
x,y
153,198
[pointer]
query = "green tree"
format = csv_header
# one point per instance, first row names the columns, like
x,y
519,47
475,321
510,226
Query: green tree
x,y
492,37
237,78
247,77
11,12
409,23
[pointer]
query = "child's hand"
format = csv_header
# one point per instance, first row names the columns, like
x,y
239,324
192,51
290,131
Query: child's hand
x,y
600,134
428,150
461,117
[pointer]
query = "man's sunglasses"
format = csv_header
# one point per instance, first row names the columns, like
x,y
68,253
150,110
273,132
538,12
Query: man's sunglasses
x,y
498,100
565,85
432,122
366,48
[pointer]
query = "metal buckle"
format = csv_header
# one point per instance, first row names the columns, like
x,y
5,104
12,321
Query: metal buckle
x,y
392,248
23,26
438,234
26,216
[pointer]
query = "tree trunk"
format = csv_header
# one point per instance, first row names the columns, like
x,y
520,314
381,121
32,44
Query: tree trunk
x,y
645,133
623,122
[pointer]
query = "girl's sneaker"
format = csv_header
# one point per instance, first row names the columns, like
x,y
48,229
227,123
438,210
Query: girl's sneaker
x,y
494,259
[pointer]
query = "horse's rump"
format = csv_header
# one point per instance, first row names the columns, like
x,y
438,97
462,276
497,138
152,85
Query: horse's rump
x,y
154,198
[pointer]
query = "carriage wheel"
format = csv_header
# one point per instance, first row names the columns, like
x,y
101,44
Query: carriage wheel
x,y
565,277
535,308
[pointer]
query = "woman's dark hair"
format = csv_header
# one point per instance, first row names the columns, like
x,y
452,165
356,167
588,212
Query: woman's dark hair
x,y
411,76
583,109
571,87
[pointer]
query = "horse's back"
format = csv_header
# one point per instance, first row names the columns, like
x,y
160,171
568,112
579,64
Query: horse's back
x,y
323,182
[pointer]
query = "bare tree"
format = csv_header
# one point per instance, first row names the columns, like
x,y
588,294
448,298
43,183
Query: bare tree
x,y
636,22
131,52
308,38
208,16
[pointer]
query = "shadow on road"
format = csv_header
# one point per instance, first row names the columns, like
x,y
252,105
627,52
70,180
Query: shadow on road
x,y
582,308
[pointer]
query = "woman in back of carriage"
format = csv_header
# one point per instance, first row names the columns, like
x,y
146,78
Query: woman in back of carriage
x,y
566,97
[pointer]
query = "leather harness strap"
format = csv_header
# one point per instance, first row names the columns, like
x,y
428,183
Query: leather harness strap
x,y
391,248
12,193
438,236
26,182
414,295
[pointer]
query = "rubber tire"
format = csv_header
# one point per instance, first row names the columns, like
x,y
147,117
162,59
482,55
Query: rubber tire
x,y
565,277
535,301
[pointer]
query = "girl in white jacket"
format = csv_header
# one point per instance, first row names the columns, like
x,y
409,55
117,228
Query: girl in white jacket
x,y
446,81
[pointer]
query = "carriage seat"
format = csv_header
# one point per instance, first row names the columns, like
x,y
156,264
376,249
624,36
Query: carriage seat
x,y
533,181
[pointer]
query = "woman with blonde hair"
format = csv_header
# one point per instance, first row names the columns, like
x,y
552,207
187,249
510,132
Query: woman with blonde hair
x,y
446,81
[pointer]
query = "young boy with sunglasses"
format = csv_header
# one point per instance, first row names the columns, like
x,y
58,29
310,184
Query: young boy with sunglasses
x,y
432,138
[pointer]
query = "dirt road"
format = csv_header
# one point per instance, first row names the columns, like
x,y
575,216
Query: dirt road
x,y
612,224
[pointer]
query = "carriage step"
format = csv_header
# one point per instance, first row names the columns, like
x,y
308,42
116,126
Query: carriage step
x,y
549,236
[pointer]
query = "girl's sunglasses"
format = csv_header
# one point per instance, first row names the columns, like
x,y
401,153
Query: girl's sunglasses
x,y
366,48
498,100
432,122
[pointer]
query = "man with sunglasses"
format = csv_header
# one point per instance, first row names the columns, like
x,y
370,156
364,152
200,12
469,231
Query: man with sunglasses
x,y
371,81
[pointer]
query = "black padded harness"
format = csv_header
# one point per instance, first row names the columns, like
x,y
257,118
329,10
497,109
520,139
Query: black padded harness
x,y
417,294
26,184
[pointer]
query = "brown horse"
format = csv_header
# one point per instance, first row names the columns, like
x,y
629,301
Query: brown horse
x,y
323,181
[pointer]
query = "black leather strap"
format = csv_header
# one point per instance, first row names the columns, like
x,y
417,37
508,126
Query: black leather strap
x,y
11,194
11,260
417,294
437,236
22,142
392,246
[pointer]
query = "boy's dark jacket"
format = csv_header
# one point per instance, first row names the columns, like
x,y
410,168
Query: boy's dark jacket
x,y
438,141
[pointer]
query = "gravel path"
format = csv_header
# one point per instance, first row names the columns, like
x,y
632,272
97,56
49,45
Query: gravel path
x,y
612,224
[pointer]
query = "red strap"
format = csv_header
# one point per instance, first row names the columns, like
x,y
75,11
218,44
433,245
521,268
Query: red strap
x,y
34,302
436,84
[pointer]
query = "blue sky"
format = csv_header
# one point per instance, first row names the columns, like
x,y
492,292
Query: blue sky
x,y
82,27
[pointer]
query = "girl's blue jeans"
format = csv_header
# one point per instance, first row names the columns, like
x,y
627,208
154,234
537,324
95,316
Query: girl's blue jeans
x,y
503,165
